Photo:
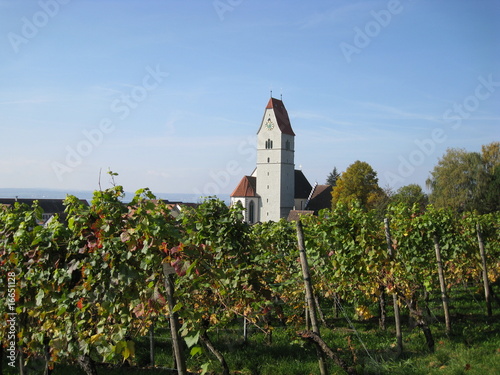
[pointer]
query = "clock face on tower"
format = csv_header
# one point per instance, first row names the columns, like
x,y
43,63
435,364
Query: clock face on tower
x,y
269,124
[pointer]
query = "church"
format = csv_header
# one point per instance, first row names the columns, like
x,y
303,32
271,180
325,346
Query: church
x,y
276,189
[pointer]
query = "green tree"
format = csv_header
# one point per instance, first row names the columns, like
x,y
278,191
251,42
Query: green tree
x,y
358,183
333,177
490,198
467,180
411,194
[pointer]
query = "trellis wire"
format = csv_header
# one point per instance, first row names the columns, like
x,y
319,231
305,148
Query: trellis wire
x,y
337,302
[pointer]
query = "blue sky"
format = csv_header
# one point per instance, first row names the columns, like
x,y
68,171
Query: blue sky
x,y
170,94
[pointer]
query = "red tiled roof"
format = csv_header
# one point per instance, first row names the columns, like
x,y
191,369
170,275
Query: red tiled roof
x,y
281,115
246,188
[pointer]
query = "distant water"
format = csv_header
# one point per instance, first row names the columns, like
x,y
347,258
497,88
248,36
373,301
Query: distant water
x,y
87,195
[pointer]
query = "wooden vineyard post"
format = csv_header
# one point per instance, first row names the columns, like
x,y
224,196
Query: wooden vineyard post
x,y
46,349
314,335
21,362
381,308
397,317
152,344
307,318
309,293
486,283
320,312
442,284
245,330
87,364
174,323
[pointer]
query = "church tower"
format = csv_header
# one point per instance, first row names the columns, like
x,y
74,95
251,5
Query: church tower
x,y
275,189
275,172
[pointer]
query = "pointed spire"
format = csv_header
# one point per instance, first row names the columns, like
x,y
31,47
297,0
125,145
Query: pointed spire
x,y
281,115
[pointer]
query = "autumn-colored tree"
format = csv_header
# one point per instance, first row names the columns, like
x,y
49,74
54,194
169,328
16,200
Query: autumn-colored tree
x,y
358,183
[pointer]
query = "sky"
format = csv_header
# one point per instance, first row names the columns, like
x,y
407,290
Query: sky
x,y
170,94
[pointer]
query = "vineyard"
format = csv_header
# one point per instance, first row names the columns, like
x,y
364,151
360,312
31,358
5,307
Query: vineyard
x,y
89,288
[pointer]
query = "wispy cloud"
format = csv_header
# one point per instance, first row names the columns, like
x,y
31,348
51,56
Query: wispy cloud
x,y
108,91
158,173
36,95
26,101
338,14
384,111
312,116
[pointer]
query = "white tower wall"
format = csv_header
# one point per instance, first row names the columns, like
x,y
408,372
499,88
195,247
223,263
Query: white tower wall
x,y
275,167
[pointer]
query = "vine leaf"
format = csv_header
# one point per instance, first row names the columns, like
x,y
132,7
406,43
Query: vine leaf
x,y
39,297
192,340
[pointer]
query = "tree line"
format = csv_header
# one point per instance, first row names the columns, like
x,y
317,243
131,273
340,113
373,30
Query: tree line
x,y
461,180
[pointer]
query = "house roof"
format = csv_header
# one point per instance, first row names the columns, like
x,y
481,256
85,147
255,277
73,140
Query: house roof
x,y
281,115
49,206
302,186
246,188
321,198
172,204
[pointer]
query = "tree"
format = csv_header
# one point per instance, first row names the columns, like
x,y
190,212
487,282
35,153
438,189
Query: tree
x,y
453,181
333,177
490,198
467,180
358,183
491,156
411,194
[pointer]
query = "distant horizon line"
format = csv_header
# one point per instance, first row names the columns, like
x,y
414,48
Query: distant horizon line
x,y
57,193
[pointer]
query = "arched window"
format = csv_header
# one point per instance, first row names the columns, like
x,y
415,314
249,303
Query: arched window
x,y
287,145
251,212
269,144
